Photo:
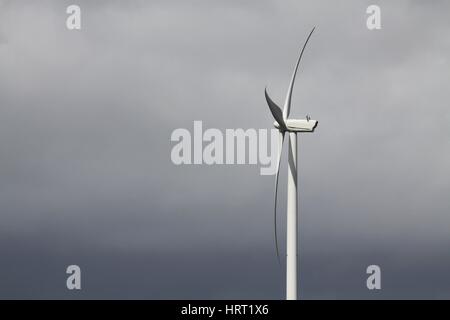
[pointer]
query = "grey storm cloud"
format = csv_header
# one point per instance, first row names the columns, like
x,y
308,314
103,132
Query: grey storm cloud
x,y
86,177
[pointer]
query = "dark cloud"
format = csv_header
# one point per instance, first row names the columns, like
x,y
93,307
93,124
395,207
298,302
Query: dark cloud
x,y
85,124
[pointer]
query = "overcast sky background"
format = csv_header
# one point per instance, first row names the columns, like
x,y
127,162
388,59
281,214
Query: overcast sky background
x,y
85,171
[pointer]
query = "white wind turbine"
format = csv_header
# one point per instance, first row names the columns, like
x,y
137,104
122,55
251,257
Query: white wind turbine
x,y
291,126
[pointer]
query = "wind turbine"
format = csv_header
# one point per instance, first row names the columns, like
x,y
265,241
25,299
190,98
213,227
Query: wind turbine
x,y
292,127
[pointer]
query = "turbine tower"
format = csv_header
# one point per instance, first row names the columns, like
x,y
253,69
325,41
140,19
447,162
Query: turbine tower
x,y
292,127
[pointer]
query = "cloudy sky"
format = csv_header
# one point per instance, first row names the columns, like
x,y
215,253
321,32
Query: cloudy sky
x,y
86,176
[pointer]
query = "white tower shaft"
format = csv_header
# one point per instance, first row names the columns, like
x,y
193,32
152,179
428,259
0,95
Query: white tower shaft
x,y
291,230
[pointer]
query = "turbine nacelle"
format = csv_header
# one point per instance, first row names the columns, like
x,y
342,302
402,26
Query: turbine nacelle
x,y
298,125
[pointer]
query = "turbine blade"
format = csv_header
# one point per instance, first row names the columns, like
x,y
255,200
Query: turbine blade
x,y
280,149
287,103
275,110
